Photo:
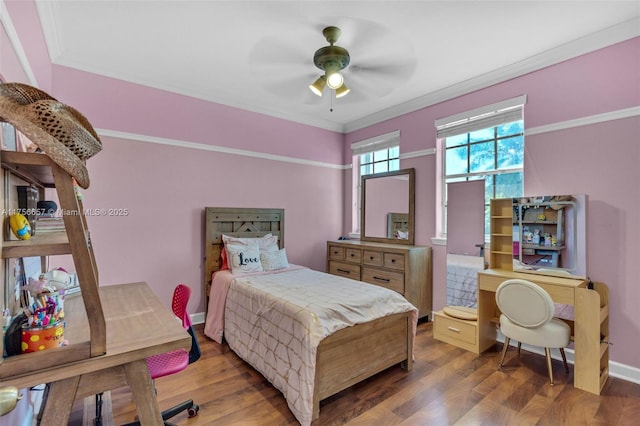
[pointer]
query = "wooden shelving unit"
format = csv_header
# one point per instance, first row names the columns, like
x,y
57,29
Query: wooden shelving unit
x,y
501,248
591,322
38,170
592,344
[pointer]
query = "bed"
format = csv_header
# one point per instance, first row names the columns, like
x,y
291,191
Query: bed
x,y
462,279
265,319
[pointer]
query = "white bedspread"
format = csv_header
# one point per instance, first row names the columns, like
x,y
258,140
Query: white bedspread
x,y
275,322
462,279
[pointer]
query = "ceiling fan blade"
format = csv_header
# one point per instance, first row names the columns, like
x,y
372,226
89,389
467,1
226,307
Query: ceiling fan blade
x,y
401,70
294,88
368,88
279,52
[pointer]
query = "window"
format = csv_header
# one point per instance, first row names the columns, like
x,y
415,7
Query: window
x,y
383,160
376,155
487,143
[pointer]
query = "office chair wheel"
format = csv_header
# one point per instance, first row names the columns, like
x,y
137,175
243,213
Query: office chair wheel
x,y
193,411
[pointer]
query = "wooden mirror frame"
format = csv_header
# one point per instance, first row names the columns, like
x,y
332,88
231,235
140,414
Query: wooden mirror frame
x,y
411,207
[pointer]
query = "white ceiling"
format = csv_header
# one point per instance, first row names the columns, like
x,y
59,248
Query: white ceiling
x,y
257,55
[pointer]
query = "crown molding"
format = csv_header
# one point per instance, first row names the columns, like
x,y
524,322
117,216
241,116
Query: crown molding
x,y
213,148
584,121
7,23
607,37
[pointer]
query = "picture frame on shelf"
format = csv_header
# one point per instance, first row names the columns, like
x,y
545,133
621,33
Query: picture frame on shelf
x,y
8,137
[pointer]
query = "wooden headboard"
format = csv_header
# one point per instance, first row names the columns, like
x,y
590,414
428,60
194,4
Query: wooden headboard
x,y
397,222
236,222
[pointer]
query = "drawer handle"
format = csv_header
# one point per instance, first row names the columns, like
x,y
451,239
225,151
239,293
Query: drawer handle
x,y
352,255
393,261
457,330
344,271
386,280
370,257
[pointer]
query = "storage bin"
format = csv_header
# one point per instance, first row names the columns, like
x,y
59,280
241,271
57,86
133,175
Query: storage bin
x,y
36,339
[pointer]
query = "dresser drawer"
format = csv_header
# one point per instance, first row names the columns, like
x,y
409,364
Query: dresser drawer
x,y
388,279
394,261
336,253
344,270
353,255
373,258
455,331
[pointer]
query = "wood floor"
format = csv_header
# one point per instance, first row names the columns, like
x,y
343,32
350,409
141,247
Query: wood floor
x,y
448,386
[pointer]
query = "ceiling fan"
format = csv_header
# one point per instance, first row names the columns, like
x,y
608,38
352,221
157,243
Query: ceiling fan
x,y
331,59
378,61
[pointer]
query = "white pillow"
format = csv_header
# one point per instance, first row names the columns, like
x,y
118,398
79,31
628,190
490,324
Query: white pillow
x,y
243,257
274,260
267,242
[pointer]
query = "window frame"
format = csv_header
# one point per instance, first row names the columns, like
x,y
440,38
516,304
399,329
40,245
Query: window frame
x,y
490,116
386,141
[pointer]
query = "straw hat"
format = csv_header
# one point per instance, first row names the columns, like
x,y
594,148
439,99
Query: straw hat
x,y
60,131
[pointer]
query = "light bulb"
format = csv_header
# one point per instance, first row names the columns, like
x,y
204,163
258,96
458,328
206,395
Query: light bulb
x,y
335,80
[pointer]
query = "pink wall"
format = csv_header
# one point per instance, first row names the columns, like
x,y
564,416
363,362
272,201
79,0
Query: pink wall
x,y
10,69
166,187
582,160
165,190
23,15
600,160
126,107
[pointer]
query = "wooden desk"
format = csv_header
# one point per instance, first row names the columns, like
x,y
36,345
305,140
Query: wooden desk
x,y
138,325
590,326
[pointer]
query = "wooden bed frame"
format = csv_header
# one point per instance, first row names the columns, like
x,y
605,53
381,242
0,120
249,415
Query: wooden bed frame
x,y
346,357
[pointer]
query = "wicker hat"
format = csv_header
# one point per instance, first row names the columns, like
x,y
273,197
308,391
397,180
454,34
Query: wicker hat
x,y
60,131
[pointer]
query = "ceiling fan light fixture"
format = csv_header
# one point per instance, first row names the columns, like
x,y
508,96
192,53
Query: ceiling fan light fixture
x,y
342,90
335,80
318,86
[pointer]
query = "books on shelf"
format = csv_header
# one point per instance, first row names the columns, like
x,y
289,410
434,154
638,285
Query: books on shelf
x,y
49,223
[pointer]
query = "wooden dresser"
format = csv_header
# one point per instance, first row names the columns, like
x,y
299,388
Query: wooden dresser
x,y
403,268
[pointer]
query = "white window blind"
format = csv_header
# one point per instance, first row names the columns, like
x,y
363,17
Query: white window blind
x,y
481,118
377,143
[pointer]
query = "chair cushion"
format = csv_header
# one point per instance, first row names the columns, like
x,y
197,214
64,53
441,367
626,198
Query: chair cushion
x,y
554,334
525,303
167,363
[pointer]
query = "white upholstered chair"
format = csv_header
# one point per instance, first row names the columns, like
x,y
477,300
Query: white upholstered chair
x,y
527,317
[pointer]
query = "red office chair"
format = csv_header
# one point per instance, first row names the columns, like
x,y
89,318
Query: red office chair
x,y
175,361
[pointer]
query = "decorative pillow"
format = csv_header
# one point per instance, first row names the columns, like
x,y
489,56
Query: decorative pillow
x,y
243,257
273,260
267,242
223,257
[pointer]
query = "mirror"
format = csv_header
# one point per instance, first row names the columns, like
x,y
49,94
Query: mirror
x,y
465,241
549,234
388,206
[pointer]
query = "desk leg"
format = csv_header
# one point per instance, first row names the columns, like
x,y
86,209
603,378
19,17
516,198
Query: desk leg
x,y
57,407
486,314
143,393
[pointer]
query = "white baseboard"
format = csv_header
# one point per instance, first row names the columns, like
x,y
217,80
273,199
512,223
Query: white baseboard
x,y
197,318
616,369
